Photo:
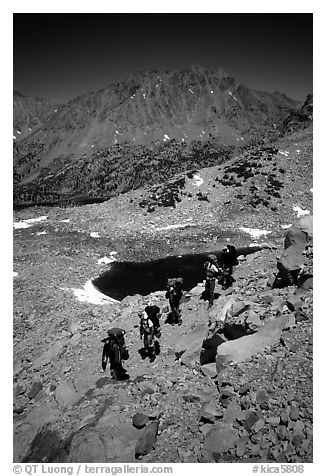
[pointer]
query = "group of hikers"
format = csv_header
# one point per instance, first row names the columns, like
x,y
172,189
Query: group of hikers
x,y
115,350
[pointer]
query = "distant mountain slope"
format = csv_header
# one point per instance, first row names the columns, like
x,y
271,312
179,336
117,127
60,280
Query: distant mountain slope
x,y
300,118
185,105
28,114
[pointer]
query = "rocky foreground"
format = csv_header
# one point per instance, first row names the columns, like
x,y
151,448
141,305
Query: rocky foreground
x,y
252,402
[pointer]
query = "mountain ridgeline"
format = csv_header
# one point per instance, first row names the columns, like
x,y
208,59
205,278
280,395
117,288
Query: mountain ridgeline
x,y
140,131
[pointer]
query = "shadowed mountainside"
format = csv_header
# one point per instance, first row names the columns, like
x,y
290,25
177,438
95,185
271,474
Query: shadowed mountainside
x,y
185,105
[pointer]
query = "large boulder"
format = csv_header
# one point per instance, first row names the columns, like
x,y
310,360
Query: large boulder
x,y
295,236
119,436
219,439
222,308
65,394
146,442
189,347
210,412
244,348
292,258
87,447
306,225
295,241
25,433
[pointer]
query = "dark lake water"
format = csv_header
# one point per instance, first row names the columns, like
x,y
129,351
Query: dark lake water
x,y
129,278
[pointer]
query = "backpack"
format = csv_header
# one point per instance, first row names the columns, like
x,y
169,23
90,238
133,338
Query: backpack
x,y
152,311
145,327
116,336
233,255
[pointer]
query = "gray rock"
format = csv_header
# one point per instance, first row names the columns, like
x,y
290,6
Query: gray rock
x,y
284,418
210,412
197,290
274,421
297,439
87,447
292,257
253,320
306,225
24,434
75,339
282,432
18,390
36,388
147,441
140,420
308,284
205,428
220,438
209,370
294,303
190,345
241,444
258,426
294,413
242,349
190,398
118,435
244,389
65,394
298,427
232,412
221,362
261,396
238,308
250,420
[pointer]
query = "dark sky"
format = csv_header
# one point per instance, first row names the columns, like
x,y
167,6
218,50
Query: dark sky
x,y
59,56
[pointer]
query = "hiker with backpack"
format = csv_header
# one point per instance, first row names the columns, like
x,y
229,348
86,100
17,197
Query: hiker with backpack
x,y
212,272
115,351
149,329
174,294
227,260
154,314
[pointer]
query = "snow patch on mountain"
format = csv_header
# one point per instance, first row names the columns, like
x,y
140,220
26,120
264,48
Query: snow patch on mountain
x,y
300,211
108,259
171,227
28,222
254,232
90,294
198,180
